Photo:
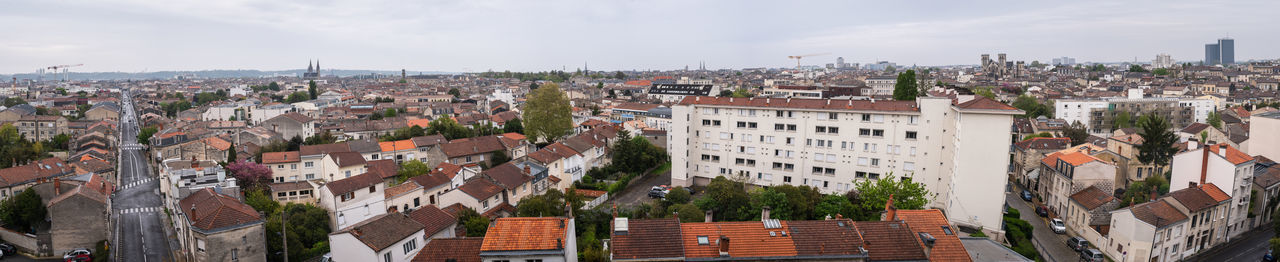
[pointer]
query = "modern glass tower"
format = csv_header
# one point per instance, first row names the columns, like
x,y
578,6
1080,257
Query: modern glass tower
x,y
1227,48
1212,54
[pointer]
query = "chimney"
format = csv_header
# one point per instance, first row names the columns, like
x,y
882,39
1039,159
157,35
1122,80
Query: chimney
x,y
724,246
1192,145
57,186
526,170
928,241
764,213
194,163
707,218
1204,164
890,212
1222,150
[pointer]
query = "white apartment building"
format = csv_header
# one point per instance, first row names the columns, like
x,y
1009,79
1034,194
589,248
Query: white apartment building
x,y
1223,166
829,144
1073,110
881,86
1264,145
268,112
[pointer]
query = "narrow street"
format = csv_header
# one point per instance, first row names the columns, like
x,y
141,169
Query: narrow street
x,y
1052,246
1250,246
140,235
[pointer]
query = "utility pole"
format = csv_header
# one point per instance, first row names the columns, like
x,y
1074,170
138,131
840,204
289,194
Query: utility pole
x,y
284,233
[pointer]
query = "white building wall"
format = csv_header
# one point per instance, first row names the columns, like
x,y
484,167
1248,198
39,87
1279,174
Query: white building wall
x,y
1265,145
980,175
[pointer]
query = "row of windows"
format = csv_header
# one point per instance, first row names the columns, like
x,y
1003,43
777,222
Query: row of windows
x,y
876,118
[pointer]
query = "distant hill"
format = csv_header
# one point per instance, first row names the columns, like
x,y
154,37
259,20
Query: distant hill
x,y
207,74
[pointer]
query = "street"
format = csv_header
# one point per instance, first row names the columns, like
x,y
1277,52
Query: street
x,y
140,235
638,192
1052,246
1250,246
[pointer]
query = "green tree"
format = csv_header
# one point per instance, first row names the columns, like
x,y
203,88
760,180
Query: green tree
x,y
390,112
1137,69
1215,119
321,139
1032,107
1157,140
307,227
833,205
455,92
1077,132
475,224
1123,119
23,211
875,193
261,200
687,213
906,88
513,126
726,198
273,86
231,153
678,195
549,113
448,128
311,89
60,141
1141,191
296,97
498,157
410,169
1161,71
1041,134
619,75
986,92
144,135
741,93
13,101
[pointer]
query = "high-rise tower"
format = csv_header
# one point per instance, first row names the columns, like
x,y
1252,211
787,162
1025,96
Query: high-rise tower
x,y
1227,48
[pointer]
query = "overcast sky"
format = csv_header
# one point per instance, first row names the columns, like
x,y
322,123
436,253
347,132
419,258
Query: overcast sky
x,y
522,35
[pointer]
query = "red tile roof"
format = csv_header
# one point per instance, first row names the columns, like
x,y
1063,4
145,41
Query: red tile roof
x,y
351,184
211,211
433,219
466,249
480,188
346,159
525,234
746,239
385,168
984,103
309,150
382,231
280,157
947,246
393,146
829,104
1233,155
647,239
1158,213
446,169
890,240
1215,192
1092,197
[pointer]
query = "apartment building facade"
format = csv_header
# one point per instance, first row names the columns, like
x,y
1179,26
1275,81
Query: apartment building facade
x,y
829,144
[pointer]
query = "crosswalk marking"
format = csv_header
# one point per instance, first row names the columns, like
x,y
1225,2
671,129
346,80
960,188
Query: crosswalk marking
x,y
140,210
136,183
131,147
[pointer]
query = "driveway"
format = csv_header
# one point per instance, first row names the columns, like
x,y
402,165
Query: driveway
x,y
638,192
1052,246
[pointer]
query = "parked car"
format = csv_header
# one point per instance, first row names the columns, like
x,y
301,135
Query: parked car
x,y
1026,195
76,253
1042,211
1057,226
79,258
659,191
1077,243
1269,257
7,249
328,257
1091,255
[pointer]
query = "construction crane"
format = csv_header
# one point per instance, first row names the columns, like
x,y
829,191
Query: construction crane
x,y
798,57
64,70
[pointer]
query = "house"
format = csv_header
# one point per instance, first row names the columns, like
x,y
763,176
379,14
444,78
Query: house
x,y
436,224
390,237
353,199
482,195
14,180
478,150
216,227
1266,182
530,239
457,174
108,111
216,149
561,161
398,150
1089,214
463,249
519,179
1063,174
340,165
1027,155
290,125
78,217
415,192
299,192
386,169
1221,165
425,144
1122,150
312,156
284,166
1145,232
1195,130
932,222
1204,206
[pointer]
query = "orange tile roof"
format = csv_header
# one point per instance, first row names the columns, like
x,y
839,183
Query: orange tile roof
x,y
421,122
1215,192
1233,155
1077,158
396,145
985,104
525,233
932,221
280,157
217,143
746,239
1051,160
514,135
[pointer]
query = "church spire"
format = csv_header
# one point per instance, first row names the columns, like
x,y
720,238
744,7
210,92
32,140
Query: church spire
x,y
317,66
309,66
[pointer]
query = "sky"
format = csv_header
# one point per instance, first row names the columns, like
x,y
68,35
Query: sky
x,y
521,35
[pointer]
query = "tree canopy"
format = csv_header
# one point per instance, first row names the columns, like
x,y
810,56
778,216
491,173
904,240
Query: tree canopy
x,y
1157,140
1032,107
1077,132
874,193
1214,119
448,128
513,126
250,175
906,88
23,211
549,113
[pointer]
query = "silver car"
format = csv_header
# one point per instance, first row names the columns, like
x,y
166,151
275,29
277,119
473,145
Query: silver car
x,y
1057,226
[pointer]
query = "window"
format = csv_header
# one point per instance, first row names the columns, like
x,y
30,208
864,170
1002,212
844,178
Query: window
x,y
820,129
833,130
702,240
866,117
386,257
410,246
309,164
911,134
715,122
877,133
875,162
280,166
373,189
862,161
752,125
913,120
791,127
742,124
864,132
833,116
706,122
293,166
235,254
779,127
311,176
347,196
786,179
909,166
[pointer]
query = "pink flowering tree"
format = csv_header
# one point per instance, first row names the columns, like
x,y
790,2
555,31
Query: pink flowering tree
x,y
250,175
